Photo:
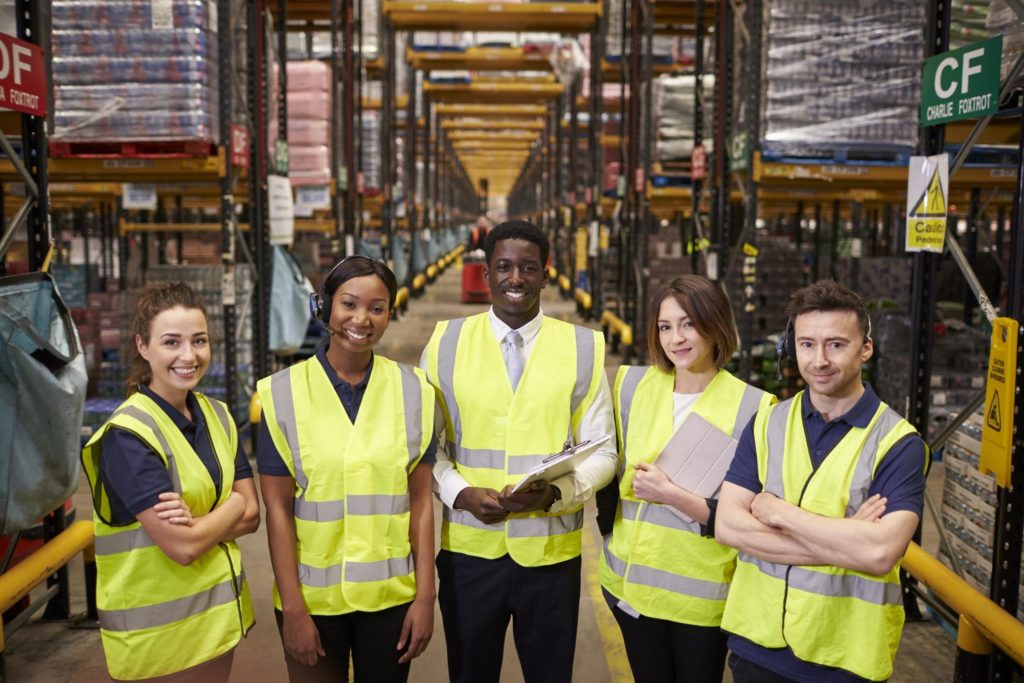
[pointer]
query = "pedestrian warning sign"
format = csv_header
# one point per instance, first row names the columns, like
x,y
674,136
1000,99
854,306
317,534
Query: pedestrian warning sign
x,y
927,208
997,432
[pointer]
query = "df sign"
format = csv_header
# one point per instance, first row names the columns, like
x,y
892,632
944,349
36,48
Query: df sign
x,y
961,83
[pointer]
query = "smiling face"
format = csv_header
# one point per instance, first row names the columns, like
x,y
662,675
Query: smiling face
x,y
515,276
360,313
830,352
683,344
178,352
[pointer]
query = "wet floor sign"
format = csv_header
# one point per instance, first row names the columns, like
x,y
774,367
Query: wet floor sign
x,y
997,434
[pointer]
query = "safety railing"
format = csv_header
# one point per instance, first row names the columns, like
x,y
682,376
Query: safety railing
x,y
21,579
618,333
584,303
982,623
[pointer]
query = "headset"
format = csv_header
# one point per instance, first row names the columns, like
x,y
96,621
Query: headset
x,y
322,312
786,346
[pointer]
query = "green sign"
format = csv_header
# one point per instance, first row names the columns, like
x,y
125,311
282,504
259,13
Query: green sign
x,y
961,83
739,152
280,157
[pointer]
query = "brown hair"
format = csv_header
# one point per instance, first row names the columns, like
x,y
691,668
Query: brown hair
x,y
825,296
154,300
709,310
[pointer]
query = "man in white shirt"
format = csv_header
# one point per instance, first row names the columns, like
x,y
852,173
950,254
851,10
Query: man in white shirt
x,y
514,385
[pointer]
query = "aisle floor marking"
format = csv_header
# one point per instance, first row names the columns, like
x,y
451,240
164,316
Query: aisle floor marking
x,y
607,627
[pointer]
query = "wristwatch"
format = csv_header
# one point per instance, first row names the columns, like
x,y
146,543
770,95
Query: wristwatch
x,y
558,496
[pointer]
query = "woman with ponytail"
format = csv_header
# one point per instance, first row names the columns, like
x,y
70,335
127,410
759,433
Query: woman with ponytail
x,y
172,490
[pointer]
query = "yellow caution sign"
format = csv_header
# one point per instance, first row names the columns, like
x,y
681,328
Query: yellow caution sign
x,y
997,433
927,208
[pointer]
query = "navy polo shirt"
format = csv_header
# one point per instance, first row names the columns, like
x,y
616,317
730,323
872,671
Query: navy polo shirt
x,y
899,478
134,476
269,459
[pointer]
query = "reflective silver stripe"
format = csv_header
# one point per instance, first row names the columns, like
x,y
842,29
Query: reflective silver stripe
x,y
626,392
164,613
521,464
148,420
447,347
686,585
378,571
778,419
284,414
584,368
318,511
772,569
480,457
863,473
123,541
222,415
413,408
660,515
467,519
356,572
629,508
533,527
377,505
846,586
614,563
749,404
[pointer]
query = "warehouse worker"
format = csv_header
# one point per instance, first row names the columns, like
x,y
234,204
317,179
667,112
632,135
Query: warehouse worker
x,y
515,384
345,452
172,489
822,498
665,577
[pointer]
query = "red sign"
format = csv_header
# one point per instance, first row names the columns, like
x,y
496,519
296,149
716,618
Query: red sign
x,y
22,76
699,163
239,145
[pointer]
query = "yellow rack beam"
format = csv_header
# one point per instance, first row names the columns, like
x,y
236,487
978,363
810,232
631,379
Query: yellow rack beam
x,y
503,111
551,17
478,59
492,92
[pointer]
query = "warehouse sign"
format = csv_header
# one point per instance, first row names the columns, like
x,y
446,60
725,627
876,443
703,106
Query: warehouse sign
x,y
22,76
927,190
997,432
961,83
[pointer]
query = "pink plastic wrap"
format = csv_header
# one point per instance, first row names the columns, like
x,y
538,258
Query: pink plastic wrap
x,y
309,105
309,158
308,76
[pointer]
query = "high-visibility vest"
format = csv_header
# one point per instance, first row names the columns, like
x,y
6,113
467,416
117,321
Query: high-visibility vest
x,y
830,616
499,435
156,616
657,562
351,481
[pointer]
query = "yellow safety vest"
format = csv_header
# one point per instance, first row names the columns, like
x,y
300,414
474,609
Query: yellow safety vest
x,y
499,435
156,616
351,481
658,563
827,615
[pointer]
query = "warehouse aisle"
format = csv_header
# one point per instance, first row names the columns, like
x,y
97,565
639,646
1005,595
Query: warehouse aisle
x,y
48,653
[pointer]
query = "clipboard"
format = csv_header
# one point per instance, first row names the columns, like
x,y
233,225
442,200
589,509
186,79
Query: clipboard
x,y
559,464
697,458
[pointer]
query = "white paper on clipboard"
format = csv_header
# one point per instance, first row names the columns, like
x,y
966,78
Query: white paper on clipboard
x,y
558,464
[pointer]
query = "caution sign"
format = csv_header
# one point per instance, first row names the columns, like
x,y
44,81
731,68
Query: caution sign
x,y
927,208
997,433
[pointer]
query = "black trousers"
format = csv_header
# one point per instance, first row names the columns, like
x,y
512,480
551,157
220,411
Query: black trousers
x,y
478,597
661,651
370,638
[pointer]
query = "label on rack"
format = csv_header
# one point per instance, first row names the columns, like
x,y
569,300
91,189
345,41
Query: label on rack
x,y
138,196
312,197
1000,390
282,209
162,15
927,208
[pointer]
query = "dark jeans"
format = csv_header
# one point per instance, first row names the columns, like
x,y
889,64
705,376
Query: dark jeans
x,y
370,638
477,598
661,651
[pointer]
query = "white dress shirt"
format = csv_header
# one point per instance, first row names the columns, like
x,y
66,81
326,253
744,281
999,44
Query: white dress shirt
x,y
599,420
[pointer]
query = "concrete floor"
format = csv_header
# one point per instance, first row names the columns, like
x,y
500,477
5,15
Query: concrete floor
x,y
44,652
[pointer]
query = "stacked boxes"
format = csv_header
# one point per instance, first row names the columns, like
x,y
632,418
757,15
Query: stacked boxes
x,y
967,22
309,123
969,501
781,269
674,98
842,72
1003,21
371,152
135,70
